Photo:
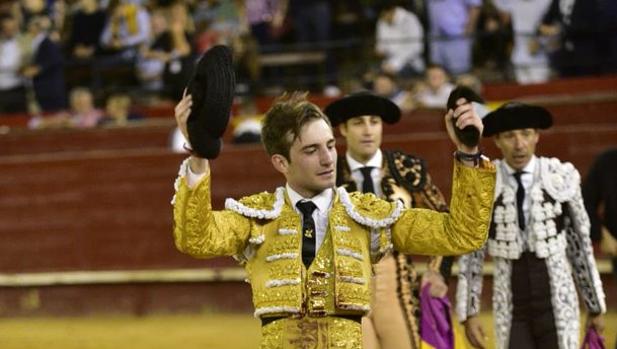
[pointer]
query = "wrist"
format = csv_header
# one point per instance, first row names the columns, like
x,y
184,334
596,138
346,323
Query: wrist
x,y
469,158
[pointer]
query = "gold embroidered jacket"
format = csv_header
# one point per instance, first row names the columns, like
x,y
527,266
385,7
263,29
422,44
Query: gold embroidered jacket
x,y
263,230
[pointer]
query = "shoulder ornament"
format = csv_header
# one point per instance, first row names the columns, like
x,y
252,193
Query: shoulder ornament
x,y
262,206
560,179
369,210
407,170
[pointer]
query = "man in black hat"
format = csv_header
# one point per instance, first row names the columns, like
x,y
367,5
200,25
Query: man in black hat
x,y
393,175
539,241
308,247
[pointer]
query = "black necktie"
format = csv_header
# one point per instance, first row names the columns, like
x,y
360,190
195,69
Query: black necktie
x,y
367,182
308,231
520,197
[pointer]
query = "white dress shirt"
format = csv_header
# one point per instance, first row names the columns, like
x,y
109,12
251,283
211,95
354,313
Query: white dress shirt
x,y
323,201
376,174
527,180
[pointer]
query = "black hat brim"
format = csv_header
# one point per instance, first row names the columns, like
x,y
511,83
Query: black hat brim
x,y
515,116
362,104
212,88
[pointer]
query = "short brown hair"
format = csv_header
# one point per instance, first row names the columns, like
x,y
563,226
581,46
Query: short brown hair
x,y
283,122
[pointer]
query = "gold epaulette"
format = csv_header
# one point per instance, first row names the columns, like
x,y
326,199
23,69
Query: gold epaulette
x,y
263,205
369,210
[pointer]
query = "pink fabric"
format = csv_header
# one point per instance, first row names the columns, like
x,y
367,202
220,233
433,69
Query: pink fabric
x,y
593,340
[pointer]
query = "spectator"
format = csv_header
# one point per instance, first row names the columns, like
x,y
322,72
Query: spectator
x,y
247,124
600,194
577,23
127,27
434,92
386,85
83,112
530,53
452,23
492,43
217,22
149,67
88,22
400,41
46,68
118,111
265,19
312,20
12,90
172,48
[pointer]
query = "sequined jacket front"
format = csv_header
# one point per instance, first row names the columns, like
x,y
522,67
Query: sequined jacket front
x,y
263,231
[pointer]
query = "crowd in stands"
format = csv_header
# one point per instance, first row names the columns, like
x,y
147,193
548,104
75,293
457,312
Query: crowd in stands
x,y
60,58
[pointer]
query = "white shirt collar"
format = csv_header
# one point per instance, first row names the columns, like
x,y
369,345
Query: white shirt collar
x,y
322,200
375,161
528,169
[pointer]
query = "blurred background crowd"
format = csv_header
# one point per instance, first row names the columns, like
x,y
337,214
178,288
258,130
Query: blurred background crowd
x,y
83,63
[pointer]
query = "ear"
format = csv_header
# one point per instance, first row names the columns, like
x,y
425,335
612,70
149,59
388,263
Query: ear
x,y
497,142
343,129
280,163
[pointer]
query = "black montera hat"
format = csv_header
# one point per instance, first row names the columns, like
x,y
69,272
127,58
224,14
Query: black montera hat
x,y
212,89
470,135
360,104
514,116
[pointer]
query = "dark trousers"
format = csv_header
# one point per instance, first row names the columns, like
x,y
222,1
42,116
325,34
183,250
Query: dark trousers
x,y
533,324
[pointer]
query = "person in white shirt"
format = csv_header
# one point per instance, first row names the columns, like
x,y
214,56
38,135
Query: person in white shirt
x,y
400,41
12,88
529,54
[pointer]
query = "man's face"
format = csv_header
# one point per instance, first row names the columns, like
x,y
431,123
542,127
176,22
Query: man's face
x,y
311,167
517,146
363,135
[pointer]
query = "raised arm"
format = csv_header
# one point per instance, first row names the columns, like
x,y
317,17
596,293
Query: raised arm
x,y
463,229
198,230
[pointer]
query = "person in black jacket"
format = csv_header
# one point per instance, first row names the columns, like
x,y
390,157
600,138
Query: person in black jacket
x,y
600,190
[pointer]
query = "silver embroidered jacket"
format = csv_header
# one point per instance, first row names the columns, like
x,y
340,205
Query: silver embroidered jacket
x,y
558,232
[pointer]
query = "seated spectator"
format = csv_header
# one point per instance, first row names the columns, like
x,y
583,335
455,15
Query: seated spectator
x,y
434,91
82,113
471,81
88,22
118,111
400,41
246,125
46,67
12,90
386,85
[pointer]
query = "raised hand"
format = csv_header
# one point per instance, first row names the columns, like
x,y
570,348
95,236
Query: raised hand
x,y
464,115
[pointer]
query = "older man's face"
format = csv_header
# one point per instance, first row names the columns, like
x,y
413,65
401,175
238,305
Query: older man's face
x,y
517,146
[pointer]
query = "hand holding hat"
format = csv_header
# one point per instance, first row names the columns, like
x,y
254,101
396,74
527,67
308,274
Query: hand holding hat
x,y
461,100
210,96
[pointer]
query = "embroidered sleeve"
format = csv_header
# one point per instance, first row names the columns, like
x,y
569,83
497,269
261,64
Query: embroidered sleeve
x,y
462,230
469,286
202,232
580,254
